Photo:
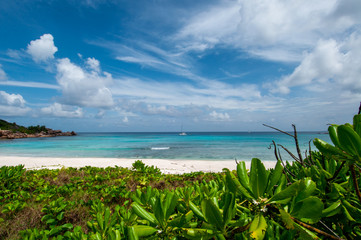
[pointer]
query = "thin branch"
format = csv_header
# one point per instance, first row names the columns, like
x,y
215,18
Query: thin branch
x,y
297,145
284,167
359,109
329,229
355,183
294,137
306,162
291,154
274,145
309,227
278,130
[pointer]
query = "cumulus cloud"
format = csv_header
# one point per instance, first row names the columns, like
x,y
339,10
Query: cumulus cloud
x,y
12,105
42,49
60,110
84,88
11,99
330,63
93,64
217,116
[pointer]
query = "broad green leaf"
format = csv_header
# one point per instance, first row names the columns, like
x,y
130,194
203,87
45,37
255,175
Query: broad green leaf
x,y
243,175
131,233
212,214
333,209
141,212
235,186
347,214
258,227
55,231
171,202
158,211
98,236
100,220
67,226
258,178
327,148
107,215
286,193
199,232
287,220
307,187
350,141
275,176
229,208
332,131
144,231
182,220
196,211
357,124
308,210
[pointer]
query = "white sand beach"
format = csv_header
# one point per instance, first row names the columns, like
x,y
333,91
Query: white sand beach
x,y
165,165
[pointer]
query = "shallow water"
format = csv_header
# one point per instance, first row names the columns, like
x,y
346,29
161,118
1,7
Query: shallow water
x,y
201,146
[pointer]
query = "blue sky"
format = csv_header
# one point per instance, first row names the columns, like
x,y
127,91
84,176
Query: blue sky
x,y
98,65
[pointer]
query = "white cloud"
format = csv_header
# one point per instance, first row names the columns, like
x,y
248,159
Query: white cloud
x,y
217,116
163,95
93,64
331,64
84,88
273,29
60,110
42,49
2,73
29,84
12,105
11,99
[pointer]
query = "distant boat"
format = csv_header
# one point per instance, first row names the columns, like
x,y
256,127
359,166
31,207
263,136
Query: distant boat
x,y
182,133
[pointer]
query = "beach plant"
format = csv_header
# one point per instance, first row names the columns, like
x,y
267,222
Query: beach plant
x,y
163,220
347,147
271,202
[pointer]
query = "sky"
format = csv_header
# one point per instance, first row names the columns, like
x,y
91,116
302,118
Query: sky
x,y
160,65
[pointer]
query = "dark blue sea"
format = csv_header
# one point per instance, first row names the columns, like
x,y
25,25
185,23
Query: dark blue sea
x,y
195,145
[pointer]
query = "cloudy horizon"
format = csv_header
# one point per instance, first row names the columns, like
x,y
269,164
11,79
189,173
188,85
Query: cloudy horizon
x,y
104,65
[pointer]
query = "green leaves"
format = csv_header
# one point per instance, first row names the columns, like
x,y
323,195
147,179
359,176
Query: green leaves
x,y
141,212
308,210
258,227
212,214
350,141
258,178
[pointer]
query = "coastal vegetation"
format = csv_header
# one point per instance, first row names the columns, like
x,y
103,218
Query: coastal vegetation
x,y
4,125
314,197
13,130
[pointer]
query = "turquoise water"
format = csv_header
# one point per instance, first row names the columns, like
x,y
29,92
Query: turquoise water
x,y
201,146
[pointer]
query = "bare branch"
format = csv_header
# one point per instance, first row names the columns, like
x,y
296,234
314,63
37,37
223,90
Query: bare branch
x,y
291,154
309,227
297,145
355,183
278,130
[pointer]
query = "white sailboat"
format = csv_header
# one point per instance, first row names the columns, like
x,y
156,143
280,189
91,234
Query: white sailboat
x,y
182,133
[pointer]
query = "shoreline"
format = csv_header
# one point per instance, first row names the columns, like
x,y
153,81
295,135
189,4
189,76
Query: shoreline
x,y
167,166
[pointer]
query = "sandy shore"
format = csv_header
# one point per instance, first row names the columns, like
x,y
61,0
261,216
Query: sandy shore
x,y
166,166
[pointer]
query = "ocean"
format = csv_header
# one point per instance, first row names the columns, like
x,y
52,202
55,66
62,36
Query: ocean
x,y
195,145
